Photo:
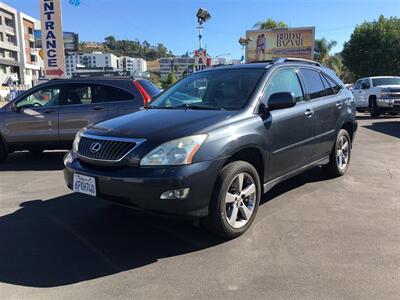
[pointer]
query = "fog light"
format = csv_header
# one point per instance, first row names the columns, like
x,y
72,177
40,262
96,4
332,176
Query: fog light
x,y
69,158
175,194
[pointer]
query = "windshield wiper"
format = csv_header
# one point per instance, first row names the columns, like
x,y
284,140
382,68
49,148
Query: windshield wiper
x,y
195,106
157,107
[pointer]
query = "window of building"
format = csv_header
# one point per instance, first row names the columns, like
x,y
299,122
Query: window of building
x,y
1,37
31,45
10,39
30,30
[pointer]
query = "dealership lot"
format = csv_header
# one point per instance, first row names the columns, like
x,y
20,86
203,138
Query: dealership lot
x,y
313,237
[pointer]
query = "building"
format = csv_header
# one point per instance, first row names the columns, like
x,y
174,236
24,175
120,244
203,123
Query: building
x,y
133,65
31,64
179,65
19,61
96,61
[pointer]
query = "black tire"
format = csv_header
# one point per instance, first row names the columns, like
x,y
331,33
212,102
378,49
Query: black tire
x,y
374,109
332,168
217,222
3,151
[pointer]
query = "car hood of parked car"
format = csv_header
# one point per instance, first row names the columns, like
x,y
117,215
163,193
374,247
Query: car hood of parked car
x,y
161,124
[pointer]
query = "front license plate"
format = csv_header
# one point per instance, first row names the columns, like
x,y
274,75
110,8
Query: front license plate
x,y
84,184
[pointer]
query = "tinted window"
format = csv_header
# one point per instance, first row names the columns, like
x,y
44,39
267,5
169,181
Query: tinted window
x,y
47,96
77,94
357,86
285,80
366,84
105,93
386,81
328,89
150,88
228,89
313,83
336,87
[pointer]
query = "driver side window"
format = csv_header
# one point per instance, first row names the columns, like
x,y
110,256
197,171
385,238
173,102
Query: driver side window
x,y
47,96
284,80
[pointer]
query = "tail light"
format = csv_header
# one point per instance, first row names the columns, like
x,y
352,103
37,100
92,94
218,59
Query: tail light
x,y
143,92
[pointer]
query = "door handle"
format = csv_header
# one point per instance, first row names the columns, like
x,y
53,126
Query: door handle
x,y
339,104
308,113
98,108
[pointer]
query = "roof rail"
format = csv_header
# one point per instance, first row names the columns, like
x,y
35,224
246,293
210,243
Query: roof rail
x,y
300,60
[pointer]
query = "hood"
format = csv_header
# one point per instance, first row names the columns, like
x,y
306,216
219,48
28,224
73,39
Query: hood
x,y
395,87
160,124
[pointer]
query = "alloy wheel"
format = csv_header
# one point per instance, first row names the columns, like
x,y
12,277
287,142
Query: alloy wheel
x,y
342,152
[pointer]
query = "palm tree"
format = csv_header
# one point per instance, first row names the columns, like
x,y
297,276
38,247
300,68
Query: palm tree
x,y
270,24
322,49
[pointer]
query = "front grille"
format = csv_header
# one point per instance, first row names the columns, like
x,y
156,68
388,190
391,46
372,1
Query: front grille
x,y
110,150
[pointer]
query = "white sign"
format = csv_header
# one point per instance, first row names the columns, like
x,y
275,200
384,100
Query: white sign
x,y
52,38
200,60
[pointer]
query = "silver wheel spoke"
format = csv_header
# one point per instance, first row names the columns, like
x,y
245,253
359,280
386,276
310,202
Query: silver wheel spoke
x,y
345,146
230,198
233,216
251,189
240,179
246,212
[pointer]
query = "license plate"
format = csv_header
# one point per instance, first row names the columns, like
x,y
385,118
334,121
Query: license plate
x,y
84,184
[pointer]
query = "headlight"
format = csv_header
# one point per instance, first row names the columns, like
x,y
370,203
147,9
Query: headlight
x,y
177,152
77,139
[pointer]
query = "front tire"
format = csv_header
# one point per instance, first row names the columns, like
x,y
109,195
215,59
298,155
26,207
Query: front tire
x,y
340,156
235,201
374,109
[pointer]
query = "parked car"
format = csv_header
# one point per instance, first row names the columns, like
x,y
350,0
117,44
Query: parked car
x,y
213,156
49,115
378,95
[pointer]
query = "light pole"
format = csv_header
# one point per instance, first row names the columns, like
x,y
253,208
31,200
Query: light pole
x,y
202,16
244,41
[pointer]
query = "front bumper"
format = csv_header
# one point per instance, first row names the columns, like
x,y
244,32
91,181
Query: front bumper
x,y
141,187
388,104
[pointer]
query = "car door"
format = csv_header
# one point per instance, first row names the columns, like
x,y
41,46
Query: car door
x,y
364,93
327,107
78,109
34,117
289,132
118,101
357,92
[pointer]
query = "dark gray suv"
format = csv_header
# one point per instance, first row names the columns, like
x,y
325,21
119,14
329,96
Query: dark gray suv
x,y
209,146
49,115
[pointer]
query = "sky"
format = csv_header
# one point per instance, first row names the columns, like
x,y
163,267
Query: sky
x,y
173,22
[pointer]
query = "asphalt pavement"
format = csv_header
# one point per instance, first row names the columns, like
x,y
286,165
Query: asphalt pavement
x,y
313,238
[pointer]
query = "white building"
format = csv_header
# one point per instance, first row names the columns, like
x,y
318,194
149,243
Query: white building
x,y
19,61
96,61
178,65
133,65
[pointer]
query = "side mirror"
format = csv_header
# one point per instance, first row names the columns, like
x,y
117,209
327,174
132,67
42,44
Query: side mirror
x,y
281,100
14,107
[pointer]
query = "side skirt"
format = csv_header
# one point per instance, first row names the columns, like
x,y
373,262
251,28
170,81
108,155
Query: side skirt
x,y
269,185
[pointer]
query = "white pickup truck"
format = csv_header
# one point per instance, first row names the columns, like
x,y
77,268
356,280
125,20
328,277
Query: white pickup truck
x,y
378,95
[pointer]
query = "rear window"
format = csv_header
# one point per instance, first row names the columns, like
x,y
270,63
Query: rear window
x,y
385,81
335,86
105,93
150,88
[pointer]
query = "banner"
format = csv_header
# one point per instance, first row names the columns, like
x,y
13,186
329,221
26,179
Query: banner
x,y
274,43
200,60
52,38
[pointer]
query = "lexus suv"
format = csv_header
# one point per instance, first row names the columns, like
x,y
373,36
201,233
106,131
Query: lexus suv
x,y
49,115
379,95
209,146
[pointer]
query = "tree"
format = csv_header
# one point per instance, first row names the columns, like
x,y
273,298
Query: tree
x,y
322,50
270,24
169,80
373,48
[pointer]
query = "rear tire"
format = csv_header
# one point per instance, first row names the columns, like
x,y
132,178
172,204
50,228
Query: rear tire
x,y
235,200
340,156
374,109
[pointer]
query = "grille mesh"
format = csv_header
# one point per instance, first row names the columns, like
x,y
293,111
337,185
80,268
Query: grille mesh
x,y
109,150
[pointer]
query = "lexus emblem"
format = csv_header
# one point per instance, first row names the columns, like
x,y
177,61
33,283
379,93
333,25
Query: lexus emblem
x,y
95,147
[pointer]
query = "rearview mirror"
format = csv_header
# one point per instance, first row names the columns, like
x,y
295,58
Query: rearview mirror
x,y
281,100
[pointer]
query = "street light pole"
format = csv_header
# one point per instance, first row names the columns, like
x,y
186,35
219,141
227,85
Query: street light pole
x,y
200,28
244,41
202,16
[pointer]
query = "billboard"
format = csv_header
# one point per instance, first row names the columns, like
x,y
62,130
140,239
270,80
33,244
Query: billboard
x,y
200,60
287,42
52,38
71,40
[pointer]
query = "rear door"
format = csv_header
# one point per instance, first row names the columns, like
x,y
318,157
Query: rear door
x,y
79,109
36,119
327,106
290,131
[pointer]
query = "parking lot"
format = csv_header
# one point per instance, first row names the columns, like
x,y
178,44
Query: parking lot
x,y
313,238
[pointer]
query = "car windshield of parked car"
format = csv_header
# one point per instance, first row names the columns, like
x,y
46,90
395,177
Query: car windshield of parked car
x,y
216,90
386,81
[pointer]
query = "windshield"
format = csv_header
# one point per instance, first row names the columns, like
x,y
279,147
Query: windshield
x,y
386,81
220,90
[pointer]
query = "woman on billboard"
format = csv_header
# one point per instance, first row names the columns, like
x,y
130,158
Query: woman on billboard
x,y
261,45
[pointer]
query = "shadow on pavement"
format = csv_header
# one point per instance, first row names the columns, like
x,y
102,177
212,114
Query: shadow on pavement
x,y
26,161
389,128
382,117
74,238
